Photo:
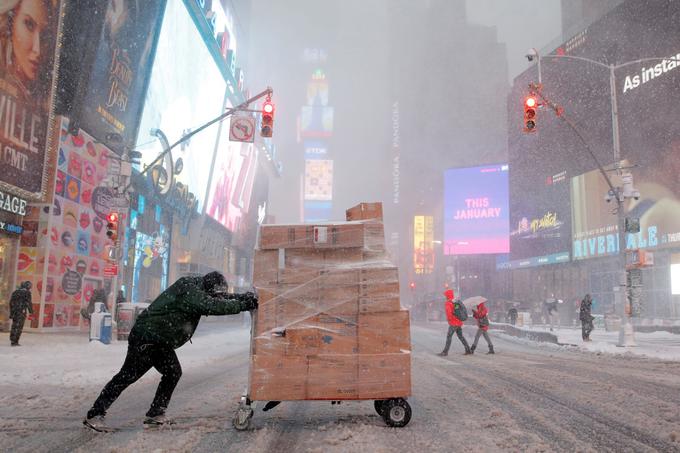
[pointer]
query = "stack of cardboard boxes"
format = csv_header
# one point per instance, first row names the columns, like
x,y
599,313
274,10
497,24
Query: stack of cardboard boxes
x,y
329,323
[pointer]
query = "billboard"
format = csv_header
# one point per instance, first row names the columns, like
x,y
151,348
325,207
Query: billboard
x,y
115,90
319,179
230,192
476,213
28,67
423,244
183,97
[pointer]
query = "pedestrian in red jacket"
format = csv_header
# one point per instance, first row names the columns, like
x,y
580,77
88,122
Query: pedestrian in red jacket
x,y
455,310
481,314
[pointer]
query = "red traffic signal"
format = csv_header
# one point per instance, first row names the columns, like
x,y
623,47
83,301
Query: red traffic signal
x,y
412,285
112,226
267,127
530,106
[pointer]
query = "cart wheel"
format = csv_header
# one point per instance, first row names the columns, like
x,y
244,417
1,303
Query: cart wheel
x,y
379,406
396,412
242,418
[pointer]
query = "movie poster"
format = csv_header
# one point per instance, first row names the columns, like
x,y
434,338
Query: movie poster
x,y
27,93
123,59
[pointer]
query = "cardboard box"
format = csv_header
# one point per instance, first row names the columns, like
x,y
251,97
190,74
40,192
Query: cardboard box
x,y
270,344
265,267
265,317
379,290
384,333
285,236
365,211
278,378
379,274
384,376
339,300
333,377
378,304
367,235
323,334
343,258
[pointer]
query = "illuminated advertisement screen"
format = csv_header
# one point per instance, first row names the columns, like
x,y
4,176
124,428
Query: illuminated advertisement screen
x,y
229,198
318,180
316,121
423,245
183,97
476,213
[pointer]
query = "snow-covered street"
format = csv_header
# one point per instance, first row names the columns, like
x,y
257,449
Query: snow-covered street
x,y
528,397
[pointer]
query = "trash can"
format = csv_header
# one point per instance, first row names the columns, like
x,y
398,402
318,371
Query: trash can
x,y
100,324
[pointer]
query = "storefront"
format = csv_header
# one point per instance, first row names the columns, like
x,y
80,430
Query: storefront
x,y
10,231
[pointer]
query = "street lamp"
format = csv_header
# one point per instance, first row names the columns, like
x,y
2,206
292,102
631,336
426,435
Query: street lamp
x,y
626,333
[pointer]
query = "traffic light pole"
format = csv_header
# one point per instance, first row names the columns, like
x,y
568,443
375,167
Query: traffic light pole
x,y
626,332
243,106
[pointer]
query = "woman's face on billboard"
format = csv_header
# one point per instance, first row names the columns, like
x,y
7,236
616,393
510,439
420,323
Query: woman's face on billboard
x,y
28,28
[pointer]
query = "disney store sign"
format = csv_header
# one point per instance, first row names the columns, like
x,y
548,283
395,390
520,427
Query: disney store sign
x,y
13,204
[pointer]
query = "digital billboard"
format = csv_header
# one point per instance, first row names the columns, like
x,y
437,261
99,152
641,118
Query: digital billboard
x,y
28,45
115,90
183,97
229,197
423,244
318,179
476,213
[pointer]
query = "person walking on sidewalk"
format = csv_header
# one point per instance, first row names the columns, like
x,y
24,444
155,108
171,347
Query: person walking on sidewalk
x,y
481,314
168,323
455,314
19,303
586,317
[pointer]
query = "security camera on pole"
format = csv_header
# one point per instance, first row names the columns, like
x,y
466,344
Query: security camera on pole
x,y
628,283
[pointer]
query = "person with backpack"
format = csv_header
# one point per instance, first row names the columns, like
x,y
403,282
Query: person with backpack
x,y
455,314
481,314
19,303
586,317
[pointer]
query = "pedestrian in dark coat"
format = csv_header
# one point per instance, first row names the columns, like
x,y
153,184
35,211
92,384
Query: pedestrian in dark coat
x,y
168,323
481,314
455,323
98,295
586,317
19,303
512,313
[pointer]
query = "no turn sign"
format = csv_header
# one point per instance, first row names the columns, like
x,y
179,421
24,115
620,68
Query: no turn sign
x,y
242,128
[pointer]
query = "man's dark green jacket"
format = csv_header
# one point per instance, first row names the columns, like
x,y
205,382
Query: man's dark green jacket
x,y
172,318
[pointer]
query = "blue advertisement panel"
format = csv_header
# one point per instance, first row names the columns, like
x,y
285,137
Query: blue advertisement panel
x,y
115,89
476,212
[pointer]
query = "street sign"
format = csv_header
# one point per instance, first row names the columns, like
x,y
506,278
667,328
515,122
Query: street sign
x,y
242,128
111,270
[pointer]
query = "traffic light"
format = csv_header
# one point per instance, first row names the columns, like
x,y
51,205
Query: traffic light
x,y
267,119
530,109
412,285
112,226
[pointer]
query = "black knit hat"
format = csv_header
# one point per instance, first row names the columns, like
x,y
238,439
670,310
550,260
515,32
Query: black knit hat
x,y
214,281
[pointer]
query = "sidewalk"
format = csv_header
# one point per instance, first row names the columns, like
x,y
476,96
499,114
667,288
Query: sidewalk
x,y
660,345
69,359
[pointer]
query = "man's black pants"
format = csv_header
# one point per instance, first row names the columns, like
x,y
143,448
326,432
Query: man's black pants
x,y
586,328
140,358
458,331
17,328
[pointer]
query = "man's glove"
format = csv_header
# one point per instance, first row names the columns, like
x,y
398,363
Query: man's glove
x,y
249,302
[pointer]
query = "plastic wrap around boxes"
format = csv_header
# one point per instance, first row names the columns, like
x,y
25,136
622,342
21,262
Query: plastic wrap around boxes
x,y
329,324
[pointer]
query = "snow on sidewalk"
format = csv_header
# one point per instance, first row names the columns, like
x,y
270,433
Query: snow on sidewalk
x,y
659,345
68,359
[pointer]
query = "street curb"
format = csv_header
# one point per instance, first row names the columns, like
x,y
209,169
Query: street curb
x,y
542,337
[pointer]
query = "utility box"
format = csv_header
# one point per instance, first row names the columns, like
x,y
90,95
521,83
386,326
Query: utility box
x,y
100,324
